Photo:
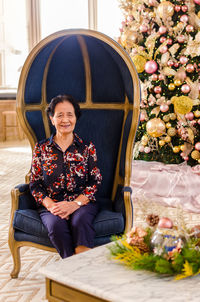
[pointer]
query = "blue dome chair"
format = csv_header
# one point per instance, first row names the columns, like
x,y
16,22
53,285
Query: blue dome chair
x,y
101,76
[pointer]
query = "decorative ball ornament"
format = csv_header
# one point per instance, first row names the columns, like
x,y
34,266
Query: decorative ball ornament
x,y
177,8
155,127
142,116
144,28
195,155
157,89
190,68
139,62
162,30
189,28
183,60
165,8
184,18
171,86
168,125
197,113
177,82
182,147
172,116
189,116
166,118
163,49
176,149
164,108
184,8
141,148
168,139
197,2
163,39
161,142
197,146
181,39
154,77
129,38
182,104
185,88
170,63
147,150
151,66
161,77
169,41
171,131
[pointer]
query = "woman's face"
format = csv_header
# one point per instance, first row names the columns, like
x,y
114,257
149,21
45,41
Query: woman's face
x,y
64,118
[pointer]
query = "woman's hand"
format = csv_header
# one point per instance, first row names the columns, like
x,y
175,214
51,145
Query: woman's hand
x,y
64,209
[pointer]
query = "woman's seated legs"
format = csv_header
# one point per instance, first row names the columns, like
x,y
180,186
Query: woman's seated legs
x,y
82,227
59,233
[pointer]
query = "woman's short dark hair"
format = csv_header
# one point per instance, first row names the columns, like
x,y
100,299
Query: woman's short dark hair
x,y
60,99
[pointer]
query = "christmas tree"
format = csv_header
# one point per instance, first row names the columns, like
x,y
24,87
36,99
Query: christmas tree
x,y
163,40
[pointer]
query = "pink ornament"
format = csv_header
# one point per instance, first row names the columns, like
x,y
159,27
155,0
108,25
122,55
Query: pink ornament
x,y
184,18
163,39
190,68
197,146
157,89
143,28
169,41
189,116
170,63
163,49
183,60
176,64
199,122
165,222
185,88
184,8
189,28
147,150
181,39
162,30
193,122
154,77
161,77
186,158
197,2
142,117
177,8
164,107
151,66
141,148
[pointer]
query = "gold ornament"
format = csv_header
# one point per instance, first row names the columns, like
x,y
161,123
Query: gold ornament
x,y
161,142
144,140
182,104
171,131
177,82
139,62
155,127
168,139
165,9
172,116
182,147
197,113
171,86
129,38
168,125
195,154
176,149
166,118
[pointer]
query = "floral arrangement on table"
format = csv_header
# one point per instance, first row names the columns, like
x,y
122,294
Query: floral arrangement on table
x,y
161,247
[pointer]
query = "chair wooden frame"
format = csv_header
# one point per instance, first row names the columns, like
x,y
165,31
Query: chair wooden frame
x,y
22,108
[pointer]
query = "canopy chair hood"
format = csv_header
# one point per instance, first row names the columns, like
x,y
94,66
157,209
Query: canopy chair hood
x,y
101,76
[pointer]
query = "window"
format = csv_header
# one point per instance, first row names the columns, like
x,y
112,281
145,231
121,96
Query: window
x,y
24,23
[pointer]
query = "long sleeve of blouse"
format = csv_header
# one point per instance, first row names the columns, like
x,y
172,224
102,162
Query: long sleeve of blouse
x,y
64,175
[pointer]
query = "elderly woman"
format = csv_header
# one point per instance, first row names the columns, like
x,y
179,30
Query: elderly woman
x,y
64,180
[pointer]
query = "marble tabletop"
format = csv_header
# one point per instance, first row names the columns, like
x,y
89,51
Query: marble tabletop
x,y
95,273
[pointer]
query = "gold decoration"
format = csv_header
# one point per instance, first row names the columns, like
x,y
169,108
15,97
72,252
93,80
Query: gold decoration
x,y
144,140
128,38
165,9
168,139
197,113
168,125
176,149
155,127
171,86
171,131
172,116
182,104
190,134
177,82
161,142
139,62
166,118
195,154
182,147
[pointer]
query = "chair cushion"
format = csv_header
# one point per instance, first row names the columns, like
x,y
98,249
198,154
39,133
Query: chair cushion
x,y
106,223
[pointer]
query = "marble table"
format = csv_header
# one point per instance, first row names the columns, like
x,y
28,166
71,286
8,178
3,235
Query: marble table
x,y
93,276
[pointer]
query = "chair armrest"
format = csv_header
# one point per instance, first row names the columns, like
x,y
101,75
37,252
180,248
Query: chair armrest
x,y
22,198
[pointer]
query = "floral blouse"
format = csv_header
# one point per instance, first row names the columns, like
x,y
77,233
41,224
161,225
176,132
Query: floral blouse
x,y
64,175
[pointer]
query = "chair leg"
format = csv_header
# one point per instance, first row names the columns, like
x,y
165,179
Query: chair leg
x,y
16,261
